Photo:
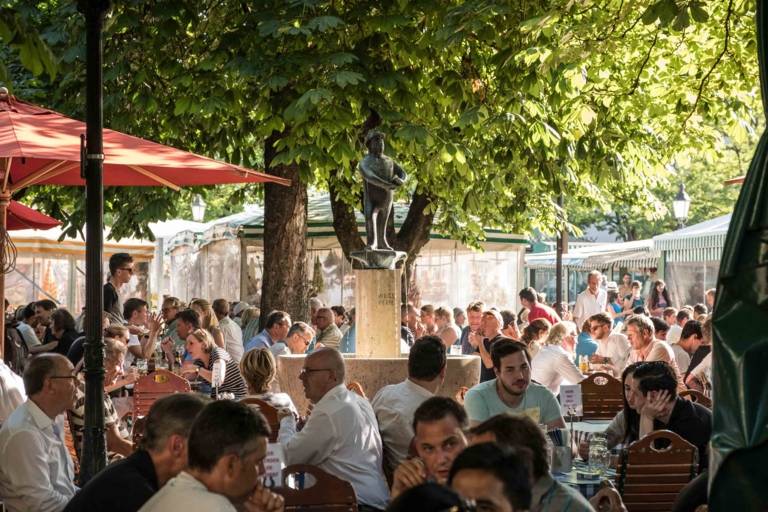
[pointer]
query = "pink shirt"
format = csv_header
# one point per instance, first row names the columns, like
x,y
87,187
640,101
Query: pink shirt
x,y
659,351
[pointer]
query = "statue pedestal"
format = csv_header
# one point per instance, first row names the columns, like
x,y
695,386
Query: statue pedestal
x,y
377,312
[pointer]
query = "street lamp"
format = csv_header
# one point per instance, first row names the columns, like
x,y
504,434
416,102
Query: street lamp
x,y
680,206
198,208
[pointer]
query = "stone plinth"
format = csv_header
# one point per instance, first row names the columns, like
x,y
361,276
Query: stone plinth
x,y
375,373
377,312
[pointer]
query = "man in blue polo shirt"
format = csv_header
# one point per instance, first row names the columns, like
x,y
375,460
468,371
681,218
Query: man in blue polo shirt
x,y
512,390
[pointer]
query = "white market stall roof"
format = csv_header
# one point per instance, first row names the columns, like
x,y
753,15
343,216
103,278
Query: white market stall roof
x,y
47,242
250,225
636,254
700,242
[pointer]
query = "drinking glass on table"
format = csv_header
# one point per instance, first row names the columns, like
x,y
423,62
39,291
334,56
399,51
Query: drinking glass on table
x,y
599,455
142,365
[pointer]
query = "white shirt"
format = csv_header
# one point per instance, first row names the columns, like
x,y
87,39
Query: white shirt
x,y
342,438
703,370
673,334
394,406
133,341
27,334
233,338
184,493
615,346
12,392
682,357
36,471
552,365
588,304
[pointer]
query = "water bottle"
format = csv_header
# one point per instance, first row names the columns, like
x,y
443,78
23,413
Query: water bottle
x,y
599,455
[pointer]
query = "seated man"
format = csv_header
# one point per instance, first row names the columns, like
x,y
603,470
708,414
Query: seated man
x,y
512,390
227,445
341,435
395,404
691,337
126,485
646,348
653,394
439,426
36,471
495,477
275,329
548,495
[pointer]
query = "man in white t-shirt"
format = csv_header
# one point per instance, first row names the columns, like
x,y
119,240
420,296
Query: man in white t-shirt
x,y
676,328
612,347
395,404
233,334
591,301
226,450
690,341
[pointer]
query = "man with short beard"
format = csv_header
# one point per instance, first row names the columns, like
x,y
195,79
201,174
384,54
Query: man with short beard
x,y
438,425
512,390
612,347
474,322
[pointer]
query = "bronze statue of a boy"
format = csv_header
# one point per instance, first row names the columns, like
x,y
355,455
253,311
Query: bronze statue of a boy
x,y
382,175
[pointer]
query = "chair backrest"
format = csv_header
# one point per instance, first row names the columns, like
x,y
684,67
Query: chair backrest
x,y
655,469
149,388
270,413
328,494
356,387
697,397
601,396
607,499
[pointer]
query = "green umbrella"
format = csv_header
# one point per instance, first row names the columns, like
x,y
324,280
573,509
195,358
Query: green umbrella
x,y
740,334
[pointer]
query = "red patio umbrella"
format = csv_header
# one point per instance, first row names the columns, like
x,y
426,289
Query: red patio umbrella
x,y
24,217
41,147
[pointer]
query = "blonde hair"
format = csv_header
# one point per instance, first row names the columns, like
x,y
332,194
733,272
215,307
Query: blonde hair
x,y
559,331
251,313
445,314
205,339
113,349
114,331
208,318
258,369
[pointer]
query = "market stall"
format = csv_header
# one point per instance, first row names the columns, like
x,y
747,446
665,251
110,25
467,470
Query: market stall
x,y
224,259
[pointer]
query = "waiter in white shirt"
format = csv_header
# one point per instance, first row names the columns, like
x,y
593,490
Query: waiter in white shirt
x,y
36,471
591,301
341,435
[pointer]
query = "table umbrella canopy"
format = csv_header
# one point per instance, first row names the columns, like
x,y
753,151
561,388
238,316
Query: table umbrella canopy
x,y
24,217
44,148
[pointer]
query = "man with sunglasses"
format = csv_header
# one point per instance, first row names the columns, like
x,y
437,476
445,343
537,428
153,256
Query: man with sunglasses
x,y
341,436
120,272
36,470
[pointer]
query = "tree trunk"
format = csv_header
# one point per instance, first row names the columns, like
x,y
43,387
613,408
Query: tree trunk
x,y
284,283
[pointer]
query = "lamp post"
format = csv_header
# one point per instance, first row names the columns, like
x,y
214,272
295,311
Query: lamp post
x,y
680,206
198,208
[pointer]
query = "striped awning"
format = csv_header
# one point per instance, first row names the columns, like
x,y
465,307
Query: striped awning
x,y
636,254
700,242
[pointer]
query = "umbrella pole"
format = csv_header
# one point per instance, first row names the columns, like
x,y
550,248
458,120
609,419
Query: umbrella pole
x,y
94,443
5,199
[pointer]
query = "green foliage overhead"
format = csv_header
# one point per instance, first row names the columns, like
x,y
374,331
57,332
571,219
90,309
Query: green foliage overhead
x,y
494,107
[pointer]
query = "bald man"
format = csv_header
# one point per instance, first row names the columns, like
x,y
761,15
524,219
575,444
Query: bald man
x,y
341,436
328,334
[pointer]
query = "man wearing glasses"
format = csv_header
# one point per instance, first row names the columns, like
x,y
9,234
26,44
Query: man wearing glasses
x,y
341,436
120,272
296,341
36,471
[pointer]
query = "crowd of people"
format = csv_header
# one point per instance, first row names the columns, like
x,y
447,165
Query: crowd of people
x,y
406,445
